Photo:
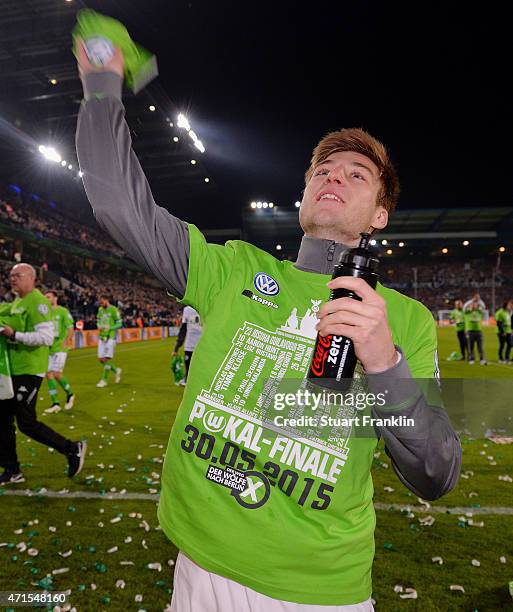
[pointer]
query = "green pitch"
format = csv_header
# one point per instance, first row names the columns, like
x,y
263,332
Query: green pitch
x,y
127,427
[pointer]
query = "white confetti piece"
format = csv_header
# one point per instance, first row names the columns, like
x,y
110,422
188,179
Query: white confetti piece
x,y
438,560
473,494
18,531
409,594
144,525
69,523
100,524
21,546
423,502
113,549
116,519
171,562
128,539
427,520
388,489
93,587
52,529
505,478
143,544
457,587
120,584
398,588
138,598
126,563
476,563
61,570
33,552
155,566
132,515
475,523
66,554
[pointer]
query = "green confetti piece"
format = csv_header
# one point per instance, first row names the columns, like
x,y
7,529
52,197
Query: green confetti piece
x,y
14,558
34,570
100,567
106,599
32,534
72,509
388,546
82,587
46,582
91,549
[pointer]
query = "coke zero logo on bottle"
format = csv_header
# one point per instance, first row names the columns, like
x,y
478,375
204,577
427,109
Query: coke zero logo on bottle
x,y
321,354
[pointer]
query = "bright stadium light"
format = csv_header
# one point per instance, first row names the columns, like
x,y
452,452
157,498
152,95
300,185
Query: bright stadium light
x,y
193,162
502,249
193,135
278,247
445,250
401,244
175,138
297,204
271,205
152,108
171,124
50,153
80,174
53,81
207,180
389,251
373,242
259,204
384,242
465,243
265,204
253,204
199,145
183,122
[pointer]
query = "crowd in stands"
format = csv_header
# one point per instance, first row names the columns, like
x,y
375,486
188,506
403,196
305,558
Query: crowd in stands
x,y
44,222
439,283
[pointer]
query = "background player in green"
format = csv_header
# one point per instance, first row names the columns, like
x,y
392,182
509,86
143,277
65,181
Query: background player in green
x,y
28,325
63,322
503,320
457,317
108,322
474,313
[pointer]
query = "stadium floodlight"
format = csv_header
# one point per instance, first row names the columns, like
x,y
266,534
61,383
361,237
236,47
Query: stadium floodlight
x,y
389,251
373,242
192,134
207,180
171,124
465,243
199,145
50,154
297,204
70,167
259,204
265,204
253,204
183,122
175,138
502,249
401,244
53,81
80,174
384,242
271,205
152,108
193,162
445,250
63,163
278,247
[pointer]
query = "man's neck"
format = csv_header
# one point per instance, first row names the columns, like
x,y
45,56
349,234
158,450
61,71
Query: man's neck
x,y
319,254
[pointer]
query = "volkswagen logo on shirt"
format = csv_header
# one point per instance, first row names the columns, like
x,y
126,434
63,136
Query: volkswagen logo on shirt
x,y
266,284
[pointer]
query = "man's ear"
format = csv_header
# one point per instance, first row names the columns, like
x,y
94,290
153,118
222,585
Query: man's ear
x,y
380,219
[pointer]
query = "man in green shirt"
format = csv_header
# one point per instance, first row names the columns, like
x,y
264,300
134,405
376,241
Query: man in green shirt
x,y
63,331
27,324
249,504
108,322
503,321
457,317
474,313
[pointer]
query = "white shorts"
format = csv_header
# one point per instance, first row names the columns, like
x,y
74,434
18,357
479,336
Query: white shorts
x,y
57,361
196,589
106,348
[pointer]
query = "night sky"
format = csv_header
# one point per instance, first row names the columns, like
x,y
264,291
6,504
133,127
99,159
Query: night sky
x,y
262,82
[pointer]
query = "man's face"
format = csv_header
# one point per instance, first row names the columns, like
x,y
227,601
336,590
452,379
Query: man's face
x,y
104,302
22,280
458,304
341,197
52,298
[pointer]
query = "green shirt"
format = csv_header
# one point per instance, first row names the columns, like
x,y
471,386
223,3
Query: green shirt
x,y
301,528
504,316
108,321
458,316
23,314
473,319
62,321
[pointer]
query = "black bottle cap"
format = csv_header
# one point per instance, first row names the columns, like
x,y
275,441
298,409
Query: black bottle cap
x,y
361,255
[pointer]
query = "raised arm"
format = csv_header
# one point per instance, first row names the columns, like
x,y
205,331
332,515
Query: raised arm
x,y
115,183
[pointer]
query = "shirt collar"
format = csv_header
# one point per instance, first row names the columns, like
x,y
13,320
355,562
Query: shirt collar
x,y
319,255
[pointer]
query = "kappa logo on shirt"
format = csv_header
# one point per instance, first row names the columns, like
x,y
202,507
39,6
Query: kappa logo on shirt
x,y
266,284
256,298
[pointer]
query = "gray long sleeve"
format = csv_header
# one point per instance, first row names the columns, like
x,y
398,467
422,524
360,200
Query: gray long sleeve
x,y
426,456
118,191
